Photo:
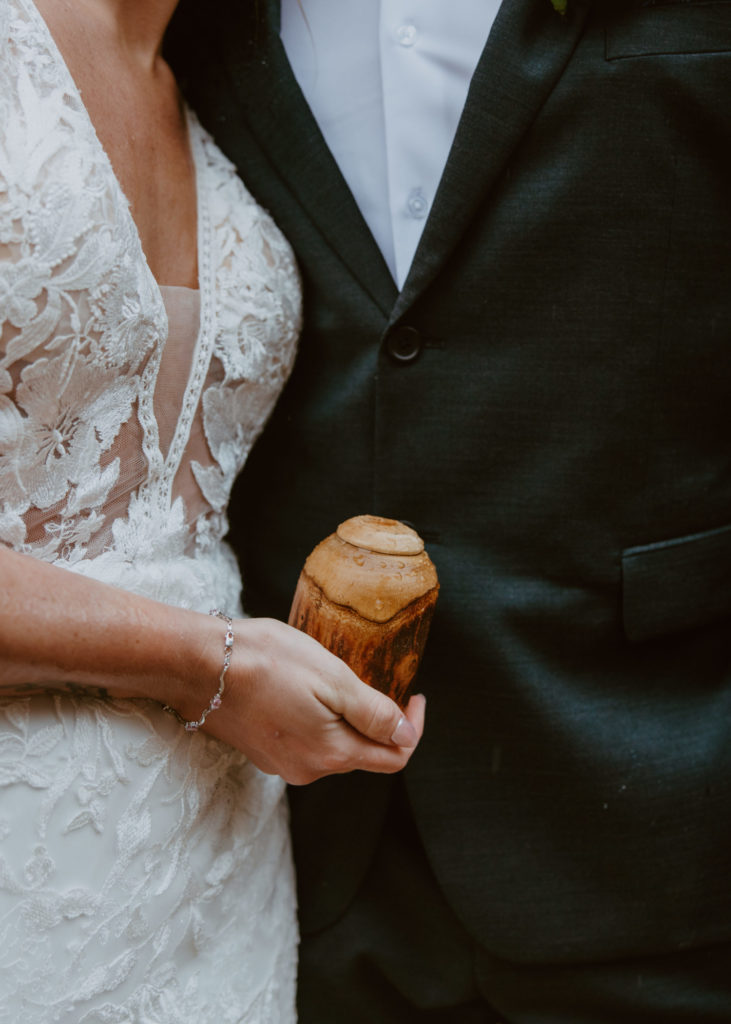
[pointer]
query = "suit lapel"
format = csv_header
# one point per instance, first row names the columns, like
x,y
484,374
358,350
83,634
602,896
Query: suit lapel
x,y
525,54
280,119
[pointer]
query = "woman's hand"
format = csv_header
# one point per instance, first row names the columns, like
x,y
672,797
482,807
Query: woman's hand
x,y
298,711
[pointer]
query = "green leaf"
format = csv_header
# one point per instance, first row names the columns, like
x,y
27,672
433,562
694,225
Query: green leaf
x,y
560,5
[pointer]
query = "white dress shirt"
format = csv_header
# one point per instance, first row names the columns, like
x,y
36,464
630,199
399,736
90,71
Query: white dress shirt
x,y
387,81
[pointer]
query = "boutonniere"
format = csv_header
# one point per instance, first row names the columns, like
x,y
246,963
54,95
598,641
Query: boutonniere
x,y
560,5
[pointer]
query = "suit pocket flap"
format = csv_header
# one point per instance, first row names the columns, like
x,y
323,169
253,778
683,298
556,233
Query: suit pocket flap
x,y
676,584
667,28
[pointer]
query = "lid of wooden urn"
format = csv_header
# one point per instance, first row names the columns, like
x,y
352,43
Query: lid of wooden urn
x,y
385,536
375,566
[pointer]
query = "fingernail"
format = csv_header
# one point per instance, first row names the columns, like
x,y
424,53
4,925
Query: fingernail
x,y
404,735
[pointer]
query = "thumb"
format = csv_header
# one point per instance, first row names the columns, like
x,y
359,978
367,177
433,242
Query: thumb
x,y
379,718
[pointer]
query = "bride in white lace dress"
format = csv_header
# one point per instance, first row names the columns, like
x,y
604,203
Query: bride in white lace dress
x,y
148,314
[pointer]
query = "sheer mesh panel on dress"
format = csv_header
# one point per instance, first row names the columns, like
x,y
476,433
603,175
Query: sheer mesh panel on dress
x,y
125,458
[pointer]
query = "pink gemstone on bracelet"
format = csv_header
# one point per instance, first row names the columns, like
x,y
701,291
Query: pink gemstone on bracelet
x,y
216,702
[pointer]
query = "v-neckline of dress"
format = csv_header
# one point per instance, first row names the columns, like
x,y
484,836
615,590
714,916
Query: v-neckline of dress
x,y
162,469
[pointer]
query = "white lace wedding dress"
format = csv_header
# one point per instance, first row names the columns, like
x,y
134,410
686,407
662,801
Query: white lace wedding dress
x,y
145,873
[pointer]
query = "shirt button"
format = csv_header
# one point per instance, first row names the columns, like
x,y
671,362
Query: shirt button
x,y
406,34
417,204
404,344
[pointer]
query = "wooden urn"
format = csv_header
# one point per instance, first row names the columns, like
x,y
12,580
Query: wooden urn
x,y
367,593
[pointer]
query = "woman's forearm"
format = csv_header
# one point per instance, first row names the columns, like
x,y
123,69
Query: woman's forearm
x,y
61,631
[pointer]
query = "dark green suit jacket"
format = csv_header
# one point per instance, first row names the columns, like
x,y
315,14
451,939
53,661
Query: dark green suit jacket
x,y
556,422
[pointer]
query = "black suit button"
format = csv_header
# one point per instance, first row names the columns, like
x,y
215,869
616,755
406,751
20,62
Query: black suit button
x,y
404,344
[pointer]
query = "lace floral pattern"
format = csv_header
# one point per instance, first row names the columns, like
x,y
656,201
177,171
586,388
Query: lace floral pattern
x,y
84,324
143,877
145,874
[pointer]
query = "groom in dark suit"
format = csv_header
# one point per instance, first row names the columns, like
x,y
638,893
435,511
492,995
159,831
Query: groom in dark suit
x,y
543,389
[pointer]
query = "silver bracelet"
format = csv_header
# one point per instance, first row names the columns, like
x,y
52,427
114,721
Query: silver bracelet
x,y
217,698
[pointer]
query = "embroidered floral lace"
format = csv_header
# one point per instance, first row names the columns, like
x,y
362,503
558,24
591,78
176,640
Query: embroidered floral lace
x,y
144,873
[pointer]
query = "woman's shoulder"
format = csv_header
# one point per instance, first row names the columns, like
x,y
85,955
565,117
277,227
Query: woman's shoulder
x,y
38,110
223,177
259,302
29,65
245,231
